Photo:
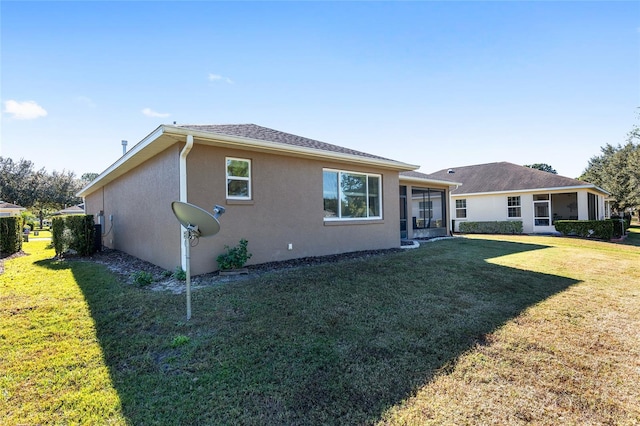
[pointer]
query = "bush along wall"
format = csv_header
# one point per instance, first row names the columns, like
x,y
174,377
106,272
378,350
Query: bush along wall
x,y
599,229
498,227
10,235
619,227
73,233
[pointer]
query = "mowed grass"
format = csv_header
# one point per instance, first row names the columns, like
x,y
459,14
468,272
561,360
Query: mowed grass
x,y
478,330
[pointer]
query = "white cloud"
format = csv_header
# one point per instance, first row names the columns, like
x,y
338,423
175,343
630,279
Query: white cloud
x,y
26,110
86,101
151,113
217,77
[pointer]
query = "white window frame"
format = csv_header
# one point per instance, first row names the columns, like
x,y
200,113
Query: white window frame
x,y
339,206
461,209
237,178
510,206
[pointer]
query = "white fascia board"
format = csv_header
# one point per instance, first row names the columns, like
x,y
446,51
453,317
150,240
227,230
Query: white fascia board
x,y
256,144
431,181
517,191
107,175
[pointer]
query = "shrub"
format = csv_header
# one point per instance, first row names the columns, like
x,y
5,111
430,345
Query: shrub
x,y
10,235
73,233
180,274
600,229
619,226
180,340
57,235
503,227
235,257
142,278
83,232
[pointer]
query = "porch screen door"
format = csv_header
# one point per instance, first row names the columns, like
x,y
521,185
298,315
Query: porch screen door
x,y
541,209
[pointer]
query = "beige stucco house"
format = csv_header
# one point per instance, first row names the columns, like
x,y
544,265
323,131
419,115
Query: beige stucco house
x,y
10,210
504,191
289,196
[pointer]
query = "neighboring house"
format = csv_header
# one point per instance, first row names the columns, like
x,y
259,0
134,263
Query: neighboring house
x,y
504,191
8,209
79,209
289,196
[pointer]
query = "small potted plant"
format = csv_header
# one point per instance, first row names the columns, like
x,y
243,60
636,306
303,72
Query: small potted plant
x,y
233,260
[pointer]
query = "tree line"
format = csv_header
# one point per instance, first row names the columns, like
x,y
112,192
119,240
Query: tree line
x,y
617,170
38,190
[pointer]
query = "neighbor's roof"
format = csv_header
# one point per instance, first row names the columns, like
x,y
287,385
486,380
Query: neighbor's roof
x,y
5,205
248,137
507,177
79,209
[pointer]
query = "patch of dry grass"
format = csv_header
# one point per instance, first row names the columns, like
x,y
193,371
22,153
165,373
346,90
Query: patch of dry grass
x,y
573,358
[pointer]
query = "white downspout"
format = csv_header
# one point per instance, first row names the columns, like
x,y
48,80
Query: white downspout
x,y
183,192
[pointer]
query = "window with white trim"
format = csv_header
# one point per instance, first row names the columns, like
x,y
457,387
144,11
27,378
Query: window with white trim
x,y
461,208
351,195
238,171
514,207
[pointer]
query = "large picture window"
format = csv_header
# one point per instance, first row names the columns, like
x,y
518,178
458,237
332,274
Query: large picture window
x,y
238,178
513,207
351,195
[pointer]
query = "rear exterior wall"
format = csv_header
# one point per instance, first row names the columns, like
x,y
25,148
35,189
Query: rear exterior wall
x,y
283,220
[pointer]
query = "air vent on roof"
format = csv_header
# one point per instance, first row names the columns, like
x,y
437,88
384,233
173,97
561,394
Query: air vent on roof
x,y
124,147
450,171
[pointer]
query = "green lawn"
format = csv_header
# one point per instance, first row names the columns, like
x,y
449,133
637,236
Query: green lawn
x,y
478,330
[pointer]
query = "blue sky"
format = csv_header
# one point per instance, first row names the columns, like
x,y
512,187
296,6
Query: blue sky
x,y
436,84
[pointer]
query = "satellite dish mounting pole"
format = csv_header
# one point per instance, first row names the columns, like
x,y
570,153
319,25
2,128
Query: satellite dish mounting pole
x,y
196,223
187,253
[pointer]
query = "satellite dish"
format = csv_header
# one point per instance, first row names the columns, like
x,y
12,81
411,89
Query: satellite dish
x,y
197,223
197,220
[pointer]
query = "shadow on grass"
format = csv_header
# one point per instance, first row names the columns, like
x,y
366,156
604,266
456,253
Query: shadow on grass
x,y
330,344
633,236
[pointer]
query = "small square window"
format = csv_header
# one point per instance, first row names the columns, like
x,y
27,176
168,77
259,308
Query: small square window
x,y
513,207
238,173
461,209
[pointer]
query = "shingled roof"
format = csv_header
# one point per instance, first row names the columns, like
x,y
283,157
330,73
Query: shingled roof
x,y
504,177
252,131
5,205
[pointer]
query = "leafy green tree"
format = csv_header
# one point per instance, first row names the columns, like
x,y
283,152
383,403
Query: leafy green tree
x,y
617,170
20,183
87,178
542,166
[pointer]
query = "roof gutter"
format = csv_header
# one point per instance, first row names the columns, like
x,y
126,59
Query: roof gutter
x,y
450,184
